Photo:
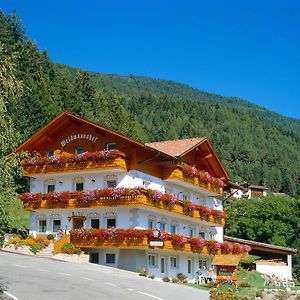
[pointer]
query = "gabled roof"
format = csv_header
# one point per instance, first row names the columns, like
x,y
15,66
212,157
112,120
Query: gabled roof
x,y
179,148
65,116
170,150
258,187
176,147
262,246
226,260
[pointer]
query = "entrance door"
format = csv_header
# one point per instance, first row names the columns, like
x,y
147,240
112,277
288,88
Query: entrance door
x,y
77,223
162,265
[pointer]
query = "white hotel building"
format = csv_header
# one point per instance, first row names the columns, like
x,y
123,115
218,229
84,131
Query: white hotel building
x,y
173,186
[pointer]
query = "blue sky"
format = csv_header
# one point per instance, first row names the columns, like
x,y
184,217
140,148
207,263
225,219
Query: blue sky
x,y
249,49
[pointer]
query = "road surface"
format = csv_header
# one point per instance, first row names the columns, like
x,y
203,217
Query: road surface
x,y
34,278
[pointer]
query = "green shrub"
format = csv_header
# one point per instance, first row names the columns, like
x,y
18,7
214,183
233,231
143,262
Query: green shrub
x,y
166,279
244,284
175,280
50,236
181,277
69,248
143,273
34,248
151,276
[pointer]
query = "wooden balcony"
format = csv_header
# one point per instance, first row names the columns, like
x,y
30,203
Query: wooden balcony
x,y
142,200
117,163
144,243
175,173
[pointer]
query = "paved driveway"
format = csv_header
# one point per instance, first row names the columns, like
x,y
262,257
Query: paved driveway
x,y
34,278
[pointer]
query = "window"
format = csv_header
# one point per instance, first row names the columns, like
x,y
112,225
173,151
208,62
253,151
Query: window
x,y
184,197
56,225
173,261
79,151
111,183
95,223
162,226
150,224
110,223
202,264
191,232
189,266
42,225
152,260
202,234
50,153
111,146
50,188
110,258
173,228
79,186
94,258
146,184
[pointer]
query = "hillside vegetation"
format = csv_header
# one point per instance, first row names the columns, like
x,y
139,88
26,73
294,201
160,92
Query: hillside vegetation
x,y
254,144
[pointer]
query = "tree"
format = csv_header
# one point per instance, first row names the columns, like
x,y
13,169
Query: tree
x,y
10,88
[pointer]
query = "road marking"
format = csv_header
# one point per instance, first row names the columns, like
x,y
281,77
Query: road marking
x,y
86,278
149,295
111,284
129,289
65,274
43,270
10,295
20,266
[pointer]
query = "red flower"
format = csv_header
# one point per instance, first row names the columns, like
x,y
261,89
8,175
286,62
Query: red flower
x,y
237,248
190,171
213,246
226,247
179,240
197,243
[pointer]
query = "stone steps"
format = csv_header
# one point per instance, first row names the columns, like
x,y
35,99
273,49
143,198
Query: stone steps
x,y
47,252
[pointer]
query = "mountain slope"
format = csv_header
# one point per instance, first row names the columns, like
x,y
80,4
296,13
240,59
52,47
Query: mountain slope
x,y
137,85
254,144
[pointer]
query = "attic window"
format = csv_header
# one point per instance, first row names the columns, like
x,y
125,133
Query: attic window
x,y
50,153
111,146
79,151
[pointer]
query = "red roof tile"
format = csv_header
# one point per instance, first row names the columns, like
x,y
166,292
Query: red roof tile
x,y
176,147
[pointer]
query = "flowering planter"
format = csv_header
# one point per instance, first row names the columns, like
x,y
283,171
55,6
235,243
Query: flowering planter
x,y
65,164
138,238
122,197
193,176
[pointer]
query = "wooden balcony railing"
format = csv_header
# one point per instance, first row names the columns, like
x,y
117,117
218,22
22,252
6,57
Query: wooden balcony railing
x,y
143,199
65,164
175,172
143,239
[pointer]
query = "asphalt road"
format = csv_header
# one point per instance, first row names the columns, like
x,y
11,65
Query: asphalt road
x,y
34,278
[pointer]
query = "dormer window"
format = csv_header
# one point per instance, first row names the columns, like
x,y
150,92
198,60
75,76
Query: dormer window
x,y
79,151
50,153
111,146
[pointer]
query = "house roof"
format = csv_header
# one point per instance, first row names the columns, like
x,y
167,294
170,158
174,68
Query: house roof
x,y
258,187
168,149
176,147
261,246
226,260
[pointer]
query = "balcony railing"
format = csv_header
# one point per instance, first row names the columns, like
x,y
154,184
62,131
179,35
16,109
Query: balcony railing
x,y
106,159
146,239
115,197
194,177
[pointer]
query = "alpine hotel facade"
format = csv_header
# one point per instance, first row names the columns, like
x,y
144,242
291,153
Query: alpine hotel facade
x,y
154,207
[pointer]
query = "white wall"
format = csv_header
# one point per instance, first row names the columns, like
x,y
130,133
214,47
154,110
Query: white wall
x,y
280,271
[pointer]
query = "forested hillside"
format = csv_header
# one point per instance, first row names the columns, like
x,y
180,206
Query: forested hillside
x,y
254,144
